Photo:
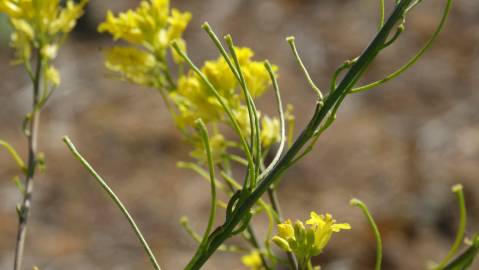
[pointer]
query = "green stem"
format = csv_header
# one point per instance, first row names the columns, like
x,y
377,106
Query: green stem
x,y
381,13
115,199
203,131
415,58
377,234
234,186
14,155
184,222
303,67
461,229
32,137
255,243
252,112
282,141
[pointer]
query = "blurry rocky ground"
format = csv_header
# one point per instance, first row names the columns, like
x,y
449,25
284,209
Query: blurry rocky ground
x,y
399,148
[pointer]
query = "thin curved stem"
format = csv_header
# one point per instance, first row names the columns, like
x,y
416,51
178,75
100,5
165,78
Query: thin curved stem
x,y
377,234
303,67
203,131
344,66
281,121
14,155
252,112
458,190
415,58
115,199
381,13
466,258
252,239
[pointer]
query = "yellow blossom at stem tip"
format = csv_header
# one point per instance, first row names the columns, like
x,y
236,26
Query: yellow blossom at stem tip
x,y
150,25
306,241
253,260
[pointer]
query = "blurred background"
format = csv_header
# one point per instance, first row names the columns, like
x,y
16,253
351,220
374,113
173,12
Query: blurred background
x,y
399,148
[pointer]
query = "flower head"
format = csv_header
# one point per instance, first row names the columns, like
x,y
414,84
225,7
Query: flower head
x,y
132,64
310,240
30,32
253,260
150,25
149,29
195,100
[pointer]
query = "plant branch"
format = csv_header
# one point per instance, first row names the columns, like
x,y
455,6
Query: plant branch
x,y
115,199
32,137
458,190
243,208
377,234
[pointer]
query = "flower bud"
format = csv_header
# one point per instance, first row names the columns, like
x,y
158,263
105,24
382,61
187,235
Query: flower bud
x,y
281,243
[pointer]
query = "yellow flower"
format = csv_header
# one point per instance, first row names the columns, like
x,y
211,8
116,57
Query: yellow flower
x,y
178,23
10,8
257,78
39,24
21,26
324,226
241,115
307,241
153,27
270,128
132,64
285,230
67,17
323,221
23,47
125,26
220,75
218,146
49,51
270,131
193,101
52,76
253,260
150,25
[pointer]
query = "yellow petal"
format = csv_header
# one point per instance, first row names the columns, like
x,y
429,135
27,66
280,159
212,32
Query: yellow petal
x,y
286,230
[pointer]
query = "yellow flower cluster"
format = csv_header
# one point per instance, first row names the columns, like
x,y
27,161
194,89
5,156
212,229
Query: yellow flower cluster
x,y
307,241
41,25
218,144
253,260
194,100
151,26
149,30
134,65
